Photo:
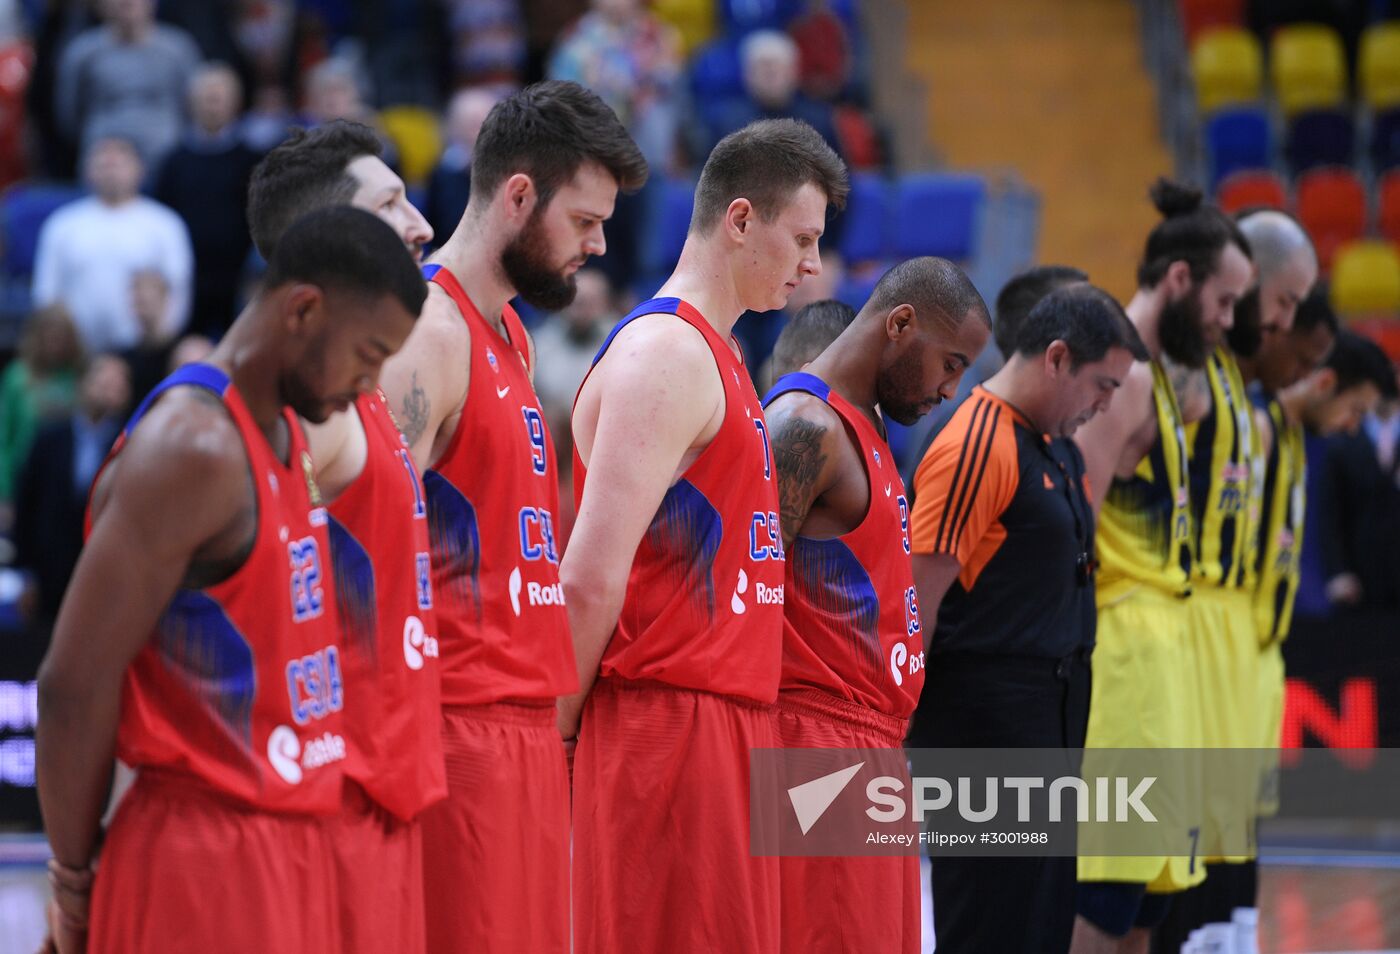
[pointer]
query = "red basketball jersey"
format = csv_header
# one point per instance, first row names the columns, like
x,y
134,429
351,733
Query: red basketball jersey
x,y
704,600
491,505
851,625
388,635
240,686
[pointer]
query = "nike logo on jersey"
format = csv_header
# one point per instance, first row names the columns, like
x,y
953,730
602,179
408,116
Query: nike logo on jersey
x,y
502,392
888,488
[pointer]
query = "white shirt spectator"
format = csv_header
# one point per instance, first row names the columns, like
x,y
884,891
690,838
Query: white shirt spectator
x,y
89,256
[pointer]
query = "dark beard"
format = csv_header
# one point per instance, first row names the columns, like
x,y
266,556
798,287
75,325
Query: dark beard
x,y
528,269
1246,334
897,388
1183,339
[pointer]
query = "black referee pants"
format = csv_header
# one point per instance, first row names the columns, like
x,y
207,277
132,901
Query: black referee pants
x,y
972,700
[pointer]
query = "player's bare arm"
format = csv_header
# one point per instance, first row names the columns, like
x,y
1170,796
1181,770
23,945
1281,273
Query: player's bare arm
x,y
1265,426
1114,441
426,381
934,574
645,414
337,449
182,487
821,479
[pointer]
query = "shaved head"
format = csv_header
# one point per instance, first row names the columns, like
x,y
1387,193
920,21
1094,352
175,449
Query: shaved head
x,y
1277,241
937,289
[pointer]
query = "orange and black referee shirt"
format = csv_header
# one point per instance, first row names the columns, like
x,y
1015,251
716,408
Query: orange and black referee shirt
x,y
1012,507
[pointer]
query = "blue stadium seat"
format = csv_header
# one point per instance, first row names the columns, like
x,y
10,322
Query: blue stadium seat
x,y
672,201
1320,137
23,209
863,236
937,214
1385,140
715,71
854,289
741,16
1238,138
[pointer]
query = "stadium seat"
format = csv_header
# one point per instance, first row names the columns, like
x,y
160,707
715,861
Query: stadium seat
x,y
863,237
1307,67
1250,188
937,214
1366,278
1320,137
1385,140
1227,67
741,16
1388,206
1332,207
694,20
23,209
1238,138
715,71
1378,66
417,137
1197,16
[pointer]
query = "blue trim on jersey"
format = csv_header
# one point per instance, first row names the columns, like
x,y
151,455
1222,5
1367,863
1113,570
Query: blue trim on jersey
x,y
430,270
798,381
652,306
196,375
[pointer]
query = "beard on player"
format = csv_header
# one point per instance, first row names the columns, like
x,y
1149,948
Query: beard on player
x,y
538,280
1182,332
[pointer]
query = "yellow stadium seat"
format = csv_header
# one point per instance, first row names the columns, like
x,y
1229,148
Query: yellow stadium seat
x,y
1308,67
415,133
1366,279
1227,66
693,19
1378,70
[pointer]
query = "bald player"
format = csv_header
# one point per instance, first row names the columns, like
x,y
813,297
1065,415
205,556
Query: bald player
x,y
674,573
546,171
853,655
1195,267
197,640
379,548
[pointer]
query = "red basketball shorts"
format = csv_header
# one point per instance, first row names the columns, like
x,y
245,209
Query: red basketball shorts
x,y
379,877
184,870
496,850
661,824
846,904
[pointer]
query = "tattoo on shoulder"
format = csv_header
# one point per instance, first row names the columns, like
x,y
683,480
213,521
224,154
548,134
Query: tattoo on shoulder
x,y
799,459
414,420
1188,383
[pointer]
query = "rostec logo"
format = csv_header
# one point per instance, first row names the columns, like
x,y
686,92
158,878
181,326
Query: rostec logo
x,y
768,595
900,658
417,643
284,753
538,594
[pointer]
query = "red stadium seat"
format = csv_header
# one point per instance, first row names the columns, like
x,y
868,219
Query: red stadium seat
x,y
1331,205
1198,15
1389,206
1251,187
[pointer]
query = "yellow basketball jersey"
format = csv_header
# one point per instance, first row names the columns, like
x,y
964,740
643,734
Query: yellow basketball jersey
x,y
1227,469
1144,530
1281,538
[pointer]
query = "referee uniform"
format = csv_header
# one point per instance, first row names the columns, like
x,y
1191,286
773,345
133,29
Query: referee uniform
x,y
1009,663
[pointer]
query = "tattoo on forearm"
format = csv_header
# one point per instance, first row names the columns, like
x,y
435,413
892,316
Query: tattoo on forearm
x,y
414,420
798,457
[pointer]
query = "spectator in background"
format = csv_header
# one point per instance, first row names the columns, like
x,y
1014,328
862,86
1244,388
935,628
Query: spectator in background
x,y
771,71
333,91
205,180
39,385
566,344
126,78
489,44
631,59
91,250
53,485
1352,521
824,51
450,185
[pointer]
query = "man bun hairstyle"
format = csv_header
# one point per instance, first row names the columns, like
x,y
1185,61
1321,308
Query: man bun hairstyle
x,y
1192,230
